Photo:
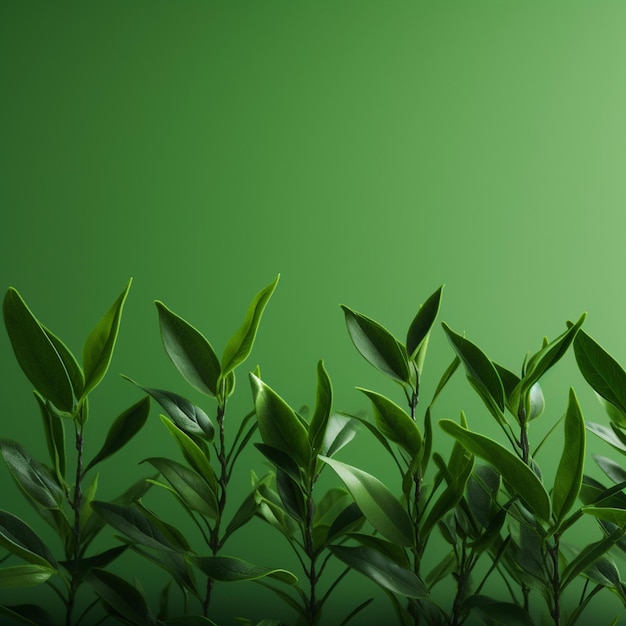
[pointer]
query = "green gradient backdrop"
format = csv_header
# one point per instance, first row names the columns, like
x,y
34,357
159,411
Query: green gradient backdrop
x,y
369,151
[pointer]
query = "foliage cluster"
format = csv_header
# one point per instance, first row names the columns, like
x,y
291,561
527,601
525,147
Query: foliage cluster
x,y
503,524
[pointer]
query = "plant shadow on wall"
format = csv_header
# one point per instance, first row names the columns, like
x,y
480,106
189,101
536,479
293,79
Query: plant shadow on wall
x,y
507,525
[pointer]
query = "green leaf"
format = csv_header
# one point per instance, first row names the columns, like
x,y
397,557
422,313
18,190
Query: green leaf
x,y
519,477
394,423
189,620
100,342
75,373
496,612
569,474
24,575
422,323
323,406
230,569
340,431
120,595
240,344
480,370
136,526
123,429
187,416
377,345
278,424
279,459
54,430
79,569
192,355
608,514
381,508
603,373
383,570
194,455
29,614
36,354
193,491
35,479
483,487
20,539
610,435
613,470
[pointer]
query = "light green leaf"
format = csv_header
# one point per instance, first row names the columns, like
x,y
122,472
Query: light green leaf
x,y
377,345
323,406
381,508
518,476
340,431
422,323
194,492
230,569
36,354
24,575
480,370
612,469
240,344
610,435
383,570
569,474
608,514
190,352
123,429
394,423
278,424
99,345
20,539
36,480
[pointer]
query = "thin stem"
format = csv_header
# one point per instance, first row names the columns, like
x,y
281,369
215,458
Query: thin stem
x,y
309,546
334,585
84,613
553,552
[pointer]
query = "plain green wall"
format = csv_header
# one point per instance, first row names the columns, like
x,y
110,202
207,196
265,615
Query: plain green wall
x,y
369,151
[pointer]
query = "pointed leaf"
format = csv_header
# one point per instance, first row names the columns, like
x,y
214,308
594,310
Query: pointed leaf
x,y
340,431
323,406
422,323
36,354
79,569
24,575
123,429
610,435
383,570
20,539
519,477
496,612
187,416
240,344
278,424
230,569
75,373
99,345
54,430
381,508
394,423
377,345
29,614
190,352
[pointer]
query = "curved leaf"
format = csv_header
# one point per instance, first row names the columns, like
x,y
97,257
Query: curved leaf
x,y
519,477
381,508
20,539
54,430
569,474
323,406
340,431
24,575
383,570
422,323
123,429
278,424
394,423
192,355
231,569
36,354
240,344
75,373
497,612
99,345
377,345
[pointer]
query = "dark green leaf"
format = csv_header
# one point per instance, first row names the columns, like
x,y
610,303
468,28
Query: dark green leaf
x,y
100,342
291,496
323,406
422,323
381,508
614,471
34,478
394,552
480,370
193,491
394,423
496,612
520,478
189,620
279,459
240,344
187,416
278,424
79,569
36,354
482,490
569,474
610,435
189,351
383,570
20,539
230,569
377,345
54,430
29,614
125,599
75,373
123,429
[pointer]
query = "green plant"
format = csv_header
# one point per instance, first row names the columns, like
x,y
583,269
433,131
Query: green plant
x,y
60,493
297,449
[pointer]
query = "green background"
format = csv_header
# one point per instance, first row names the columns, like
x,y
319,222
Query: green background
x,y
368,151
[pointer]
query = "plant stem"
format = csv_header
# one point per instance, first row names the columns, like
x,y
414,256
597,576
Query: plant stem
x,y
553,551
309,547
461,581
